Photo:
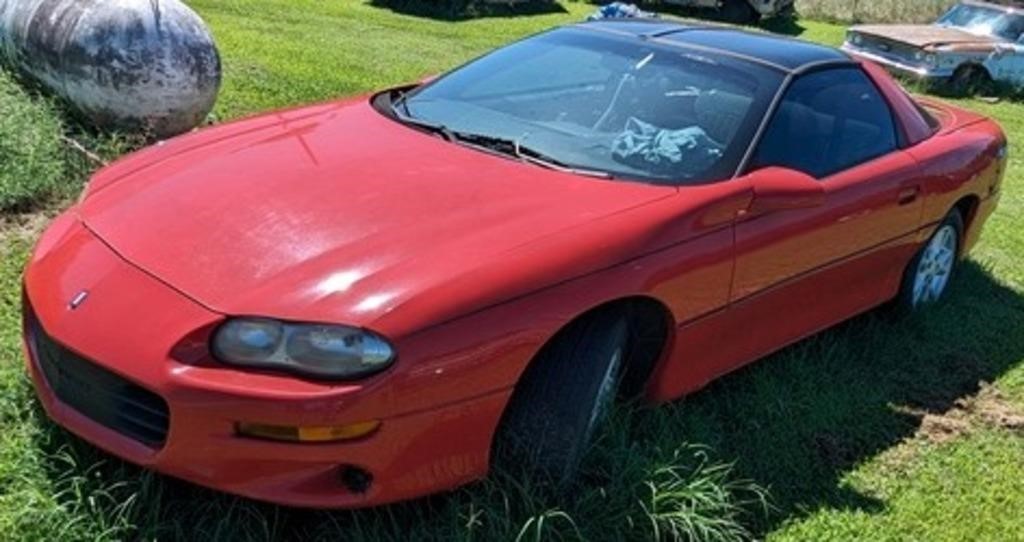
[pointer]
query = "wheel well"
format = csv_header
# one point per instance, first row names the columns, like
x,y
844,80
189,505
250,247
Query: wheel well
x,y
967,206
975,67
650,329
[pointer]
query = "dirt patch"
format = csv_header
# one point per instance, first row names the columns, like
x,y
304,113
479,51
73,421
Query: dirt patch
x,y
997,411
988,409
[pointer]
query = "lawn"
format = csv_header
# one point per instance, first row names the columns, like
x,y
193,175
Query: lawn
x,y
882,428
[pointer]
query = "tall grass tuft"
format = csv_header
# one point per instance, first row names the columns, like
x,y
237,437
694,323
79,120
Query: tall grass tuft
x,y
31,155
700,502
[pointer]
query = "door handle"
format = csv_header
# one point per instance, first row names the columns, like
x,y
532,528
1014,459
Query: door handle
x,y
908,195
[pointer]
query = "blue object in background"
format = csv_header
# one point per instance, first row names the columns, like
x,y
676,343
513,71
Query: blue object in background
x,y
620,10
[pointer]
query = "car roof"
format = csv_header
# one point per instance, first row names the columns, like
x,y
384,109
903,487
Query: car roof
x,y
780,52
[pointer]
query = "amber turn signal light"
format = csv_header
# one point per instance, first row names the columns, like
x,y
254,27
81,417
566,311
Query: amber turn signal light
x,y
289,433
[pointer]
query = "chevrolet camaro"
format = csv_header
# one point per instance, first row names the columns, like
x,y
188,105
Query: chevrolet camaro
x,y
373,299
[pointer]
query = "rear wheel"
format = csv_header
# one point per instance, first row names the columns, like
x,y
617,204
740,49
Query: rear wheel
x,y
563,397
927,277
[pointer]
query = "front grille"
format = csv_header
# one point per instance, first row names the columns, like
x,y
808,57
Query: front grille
x,y
890,48
97,393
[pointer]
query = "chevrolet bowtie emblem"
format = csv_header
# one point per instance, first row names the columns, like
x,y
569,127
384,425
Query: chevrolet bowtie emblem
x,y
78,299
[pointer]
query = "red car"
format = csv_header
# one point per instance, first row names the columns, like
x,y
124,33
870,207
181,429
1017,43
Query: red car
x,y
360,302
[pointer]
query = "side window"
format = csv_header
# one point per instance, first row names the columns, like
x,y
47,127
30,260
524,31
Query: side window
x,y
828,121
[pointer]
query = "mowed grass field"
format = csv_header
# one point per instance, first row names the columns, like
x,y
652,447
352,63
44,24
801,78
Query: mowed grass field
x,y
880,429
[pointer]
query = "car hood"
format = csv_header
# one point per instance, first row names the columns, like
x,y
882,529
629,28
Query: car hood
x,y
337,213
925,35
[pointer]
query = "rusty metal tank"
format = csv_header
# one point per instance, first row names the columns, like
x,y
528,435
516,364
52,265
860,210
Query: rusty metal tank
x,y
147,65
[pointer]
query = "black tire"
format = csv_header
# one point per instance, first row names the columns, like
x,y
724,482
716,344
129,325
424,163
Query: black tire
x,y
906,300
738,12
970,79
562,397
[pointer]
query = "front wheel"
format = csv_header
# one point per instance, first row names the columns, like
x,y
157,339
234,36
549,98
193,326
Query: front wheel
x,y
927,277
970,79
563,397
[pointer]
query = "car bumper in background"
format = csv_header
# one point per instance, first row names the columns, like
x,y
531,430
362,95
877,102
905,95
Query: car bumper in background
x,y
130,380
899,65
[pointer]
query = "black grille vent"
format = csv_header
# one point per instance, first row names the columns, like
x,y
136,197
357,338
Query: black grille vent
x,y
99,394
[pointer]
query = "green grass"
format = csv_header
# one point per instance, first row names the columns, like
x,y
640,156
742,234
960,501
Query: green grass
x,y
877,429
42,162
282,52
31,161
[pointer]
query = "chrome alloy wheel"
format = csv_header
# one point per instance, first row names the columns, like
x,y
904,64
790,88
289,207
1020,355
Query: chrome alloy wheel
x,y
935,266
606,393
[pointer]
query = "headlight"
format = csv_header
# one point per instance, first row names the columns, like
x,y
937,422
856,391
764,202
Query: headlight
x,y
927,58
315,350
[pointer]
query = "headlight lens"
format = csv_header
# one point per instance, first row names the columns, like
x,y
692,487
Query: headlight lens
x,y
316,350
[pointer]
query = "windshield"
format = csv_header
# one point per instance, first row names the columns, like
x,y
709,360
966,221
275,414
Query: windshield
x,y
604,103
985,21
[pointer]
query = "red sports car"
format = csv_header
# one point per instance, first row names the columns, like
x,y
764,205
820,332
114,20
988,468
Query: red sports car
x,y
362,301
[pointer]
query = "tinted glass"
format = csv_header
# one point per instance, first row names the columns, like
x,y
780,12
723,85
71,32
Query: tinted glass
x,y
828,121
603,102
787,52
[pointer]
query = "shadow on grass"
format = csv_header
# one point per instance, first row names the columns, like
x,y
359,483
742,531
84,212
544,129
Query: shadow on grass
x,y
989,91
800,420
459,10
785,25
794,423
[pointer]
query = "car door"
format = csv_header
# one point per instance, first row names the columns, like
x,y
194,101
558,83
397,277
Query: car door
x,y
801,269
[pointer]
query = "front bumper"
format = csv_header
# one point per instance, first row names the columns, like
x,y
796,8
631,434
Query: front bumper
x,y
148,334
899,64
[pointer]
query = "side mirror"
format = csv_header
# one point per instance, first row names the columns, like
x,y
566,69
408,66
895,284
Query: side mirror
x,y
779,189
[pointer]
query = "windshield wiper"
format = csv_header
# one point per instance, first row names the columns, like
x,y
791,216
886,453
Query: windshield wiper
x,y
402,102
406,118
515,148
400,109
432,127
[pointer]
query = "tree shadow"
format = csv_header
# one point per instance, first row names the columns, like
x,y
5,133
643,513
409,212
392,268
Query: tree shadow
x,y
461,10
795,423
786,25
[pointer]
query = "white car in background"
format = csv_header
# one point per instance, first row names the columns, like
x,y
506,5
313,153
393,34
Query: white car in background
x,y
738,11
973,44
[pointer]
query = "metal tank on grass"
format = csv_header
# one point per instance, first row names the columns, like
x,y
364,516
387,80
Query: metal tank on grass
x,y
148,65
